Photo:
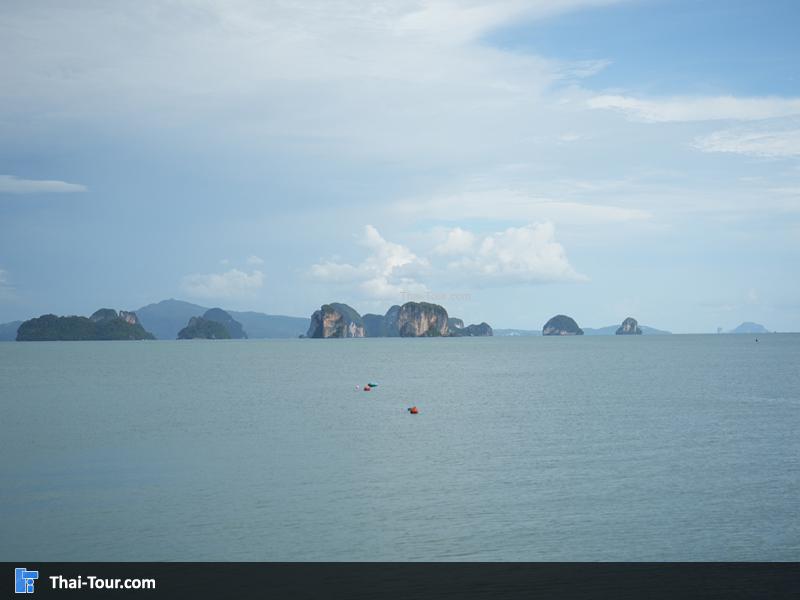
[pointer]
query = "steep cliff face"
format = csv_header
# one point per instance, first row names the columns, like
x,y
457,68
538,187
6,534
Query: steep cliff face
x,y
412,319
561,325
336,320
421,319
129,317
629,327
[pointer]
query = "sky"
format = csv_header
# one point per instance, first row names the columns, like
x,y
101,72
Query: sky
x,y
509,160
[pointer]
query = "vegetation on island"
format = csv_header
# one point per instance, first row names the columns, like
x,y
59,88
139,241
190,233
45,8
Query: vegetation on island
x,y
105,324
199,328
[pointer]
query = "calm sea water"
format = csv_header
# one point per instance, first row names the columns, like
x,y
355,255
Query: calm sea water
x,y
594,448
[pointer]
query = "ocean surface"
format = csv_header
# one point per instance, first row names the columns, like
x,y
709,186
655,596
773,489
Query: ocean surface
x,y
683,447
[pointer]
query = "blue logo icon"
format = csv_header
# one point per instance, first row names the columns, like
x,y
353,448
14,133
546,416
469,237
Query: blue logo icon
x,y
23,580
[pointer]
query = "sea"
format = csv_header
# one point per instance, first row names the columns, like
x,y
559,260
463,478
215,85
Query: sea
x,y
617,448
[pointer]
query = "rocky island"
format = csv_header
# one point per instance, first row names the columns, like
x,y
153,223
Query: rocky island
x,y
412,319
104,324
482,329
336,320
630,326
215,324
561,325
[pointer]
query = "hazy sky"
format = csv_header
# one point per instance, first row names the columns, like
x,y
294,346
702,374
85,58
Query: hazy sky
x,y
510,160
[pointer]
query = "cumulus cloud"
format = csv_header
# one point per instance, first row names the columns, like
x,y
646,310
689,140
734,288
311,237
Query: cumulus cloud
x,y
457,241
255,260
517,255
768,143
10,184
389,270
698,108
230,284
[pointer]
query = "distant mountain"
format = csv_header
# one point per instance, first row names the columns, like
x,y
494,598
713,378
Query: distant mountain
x,y
166,318
749,327
104,324
259,325
8,331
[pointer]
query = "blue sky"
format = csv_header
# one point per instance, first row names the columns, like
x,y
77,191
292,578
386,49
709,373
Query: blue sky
x,y
512,160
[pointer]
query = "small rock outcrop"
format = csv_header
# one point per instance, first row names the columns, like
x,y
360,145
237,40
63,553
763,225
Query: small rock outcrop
x,y
234,328
336,320
561,325
199,328
630,326
480,330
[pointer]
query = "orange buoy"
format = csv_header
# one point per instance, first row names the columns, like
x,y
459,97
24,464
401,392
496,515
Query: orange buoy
x,y
413,410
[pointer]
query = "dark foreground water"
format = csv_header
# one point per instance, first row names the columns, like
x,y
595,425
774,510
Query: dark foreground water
x,y
593,448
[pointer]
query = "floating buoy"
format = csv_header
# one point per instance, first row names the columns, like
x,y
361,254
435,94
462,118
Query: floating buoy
x,y
413,410
367,388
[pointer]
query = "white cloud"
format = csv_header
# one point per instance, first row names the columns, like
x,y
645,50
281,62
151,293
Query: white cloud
x,y
404,78
10,184
255,260
515,205
389,270
457,241
768,143
518,255
230,284
713,108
